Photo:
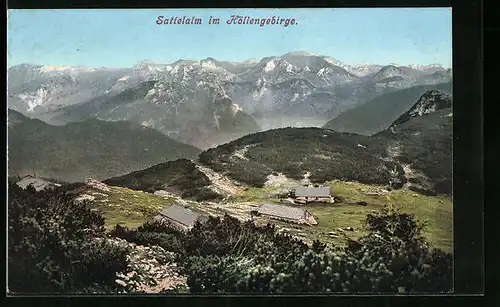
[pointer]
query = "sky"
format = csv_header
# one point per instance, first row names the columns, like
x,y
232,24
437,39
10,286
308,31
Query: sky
x,y
122,38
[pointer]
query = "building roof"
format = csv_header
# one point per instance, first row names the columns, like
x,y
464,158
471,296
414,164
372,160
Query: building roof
x,y
312,192
37,183
180,215
282,211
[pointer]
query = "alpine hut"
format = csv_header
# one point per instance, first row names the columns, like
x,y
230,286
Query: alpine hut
x,y
312,194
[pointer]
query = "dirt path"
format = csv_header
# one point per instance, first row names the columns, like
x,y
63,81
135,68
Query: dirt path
x,y
220,183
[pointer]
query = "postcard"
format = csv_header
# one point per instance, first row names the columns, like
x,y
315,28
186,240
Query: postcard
x,y
230,151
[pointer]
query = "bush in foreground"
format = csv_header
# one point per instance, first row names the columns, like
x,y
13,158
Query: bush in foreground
x,y
52,246
228,256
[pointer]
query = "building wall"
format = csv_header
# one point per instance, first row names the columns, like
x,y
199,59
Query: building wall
x,y
277,217
177,224
319,199
311,220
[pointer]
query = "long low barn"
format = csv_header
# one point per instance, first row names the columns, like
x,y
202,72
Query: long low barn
x,y
292,214
179,217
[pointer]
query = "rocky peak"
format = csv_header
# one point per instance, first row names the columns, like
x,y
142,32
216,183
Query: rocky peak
x,y
429,102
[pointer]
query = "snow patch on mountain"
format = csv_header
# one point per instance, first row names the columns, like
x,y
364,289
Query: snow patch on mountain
x,y
337,63
300,82
45,69
429,102
270,66
235,108
364,69
321,72
124,78
148,123
209,64
424,67
40,97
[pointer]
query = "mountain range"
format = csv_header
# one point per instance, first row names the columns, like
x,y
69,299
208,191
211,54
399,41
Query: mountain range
x,y
210,102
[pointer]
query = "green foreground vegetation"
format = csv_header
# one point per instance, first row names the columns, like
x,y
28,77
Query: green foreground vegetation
x,y
56,246
127,207
131,209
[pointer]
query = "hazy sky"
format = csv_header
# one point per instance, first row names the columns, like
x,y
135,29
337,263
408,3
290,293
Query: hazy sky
x,y
121,38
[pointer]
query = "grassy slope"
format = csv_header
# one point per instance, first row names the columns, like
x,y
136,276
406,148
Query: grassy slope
x,y
437,211
126,207
132,208
15,117
91,148
423,143
379,113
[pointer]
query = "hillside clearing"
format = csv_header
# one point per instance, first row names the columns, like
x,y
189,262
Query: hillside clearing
x,y
127,207
437,211
132,208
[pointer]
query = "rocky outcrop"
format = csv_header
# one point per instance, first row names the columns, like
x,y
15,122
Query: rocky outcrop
x,y
431,101
151,268
97,185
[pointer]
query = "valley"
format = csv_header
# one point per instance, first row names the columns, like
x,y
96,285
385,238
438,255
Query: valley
x,y
211,102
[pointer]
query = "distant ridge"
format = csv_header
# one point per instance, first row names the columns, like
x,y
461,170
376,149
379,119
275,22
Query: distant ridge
x,y
91,148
